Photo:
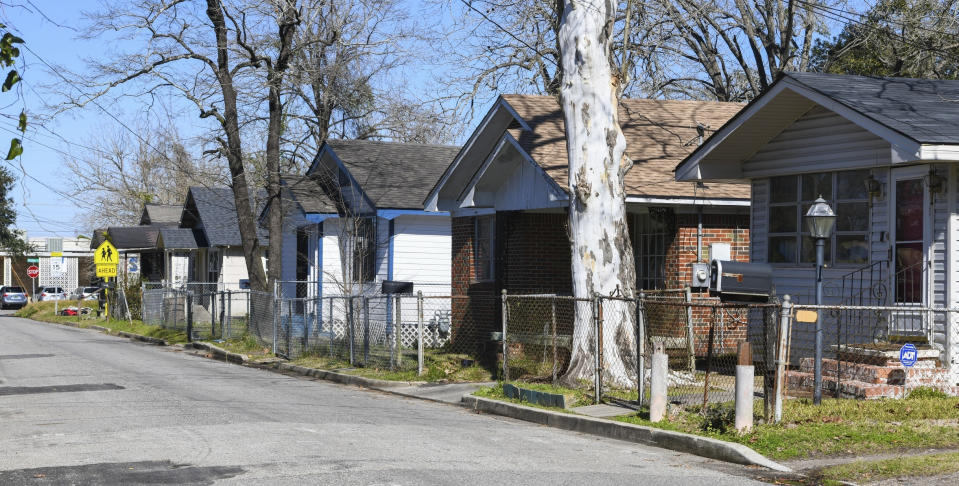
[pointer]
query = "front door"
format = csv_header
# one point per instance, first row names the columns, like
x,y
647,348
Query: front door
x,y
911,221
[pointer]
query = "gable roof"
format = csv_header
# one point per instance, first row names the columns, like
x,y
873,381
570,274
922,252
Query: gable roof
x,y
161,214
393,175
180,238
925,110
215,210
659,134
917,117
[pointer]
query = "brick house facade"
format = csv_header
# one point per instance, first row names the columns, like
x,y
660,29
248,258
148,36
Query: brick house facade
x,y
514,169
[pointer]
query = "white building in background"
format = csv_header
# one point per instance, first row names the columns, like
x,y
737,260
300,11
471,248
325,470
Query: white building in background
x,y
63,262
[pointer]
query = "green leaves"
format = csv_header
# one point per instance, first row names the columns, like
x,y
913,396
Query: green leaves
x,y
16,148
13,77
22,124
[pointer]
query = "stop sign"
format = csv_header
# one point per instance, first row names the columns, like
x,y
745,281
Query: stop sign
x,y
33,271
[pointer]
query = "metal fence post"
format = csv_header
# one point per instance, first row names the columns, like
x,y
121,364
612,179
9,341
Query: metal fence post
x,y
289,329
597,343
785,315
330,325
641,349
505,343
229,315
419,325
189,317
553,319
349,322
276,315
690,344
398,332
366,330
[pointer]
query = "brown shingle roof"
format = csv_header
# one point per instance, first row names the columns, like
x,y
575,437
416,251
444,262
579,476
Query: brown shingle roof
x,y
659,134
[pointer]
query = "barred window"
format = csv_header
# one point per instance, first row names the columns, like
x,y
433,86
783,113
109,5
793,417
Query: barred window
x,y
364,250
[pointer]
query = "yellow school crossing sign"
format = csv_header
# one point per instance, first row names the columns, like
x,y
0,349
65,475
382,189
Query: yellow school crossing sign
x,y
106,259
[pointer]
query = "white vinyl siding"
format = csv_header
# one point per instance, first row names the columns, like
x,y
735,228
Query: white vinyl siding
x,y
422,252
819,141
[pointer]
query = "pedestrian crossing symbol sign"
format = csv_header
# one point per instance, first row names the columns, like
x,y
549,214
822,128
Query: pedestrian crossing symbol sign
x,y
106,254
106,259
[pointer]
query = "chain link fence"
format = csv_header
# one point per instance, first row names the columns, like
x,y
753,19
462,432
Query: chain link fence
x,y
609,353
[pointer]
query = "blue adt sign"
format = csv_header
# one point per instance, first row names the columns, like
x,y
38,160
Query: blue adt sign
x,y
908,355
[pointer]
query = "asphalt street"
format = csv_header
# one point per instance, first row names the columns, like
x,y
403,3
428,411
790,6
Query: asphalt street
x,y
80,407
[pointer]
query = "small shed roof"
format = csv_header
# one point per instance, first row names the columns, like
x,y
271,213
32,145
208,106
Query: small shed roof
x,y
180,239
133,237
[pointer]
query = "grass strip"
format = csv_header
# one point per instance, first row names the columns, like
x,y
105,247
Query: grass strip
x,y
44,312
438,367
899,467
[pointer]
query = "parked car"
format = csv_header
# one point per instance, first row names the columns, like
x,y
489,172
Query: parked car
x,y
51,293
85,293
12,297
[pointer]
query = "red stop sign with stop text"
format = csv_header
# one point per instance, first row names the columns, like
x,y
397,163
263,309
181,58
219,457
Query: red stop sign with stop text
x,y
33,271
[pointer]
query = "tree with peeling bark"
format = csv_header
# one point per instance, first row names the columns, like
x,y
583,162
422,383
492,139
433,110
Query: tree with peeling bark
x,y
602,256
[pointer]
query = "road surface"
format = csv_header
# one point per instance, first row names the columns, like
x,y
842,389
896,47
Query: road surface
x,y
77,406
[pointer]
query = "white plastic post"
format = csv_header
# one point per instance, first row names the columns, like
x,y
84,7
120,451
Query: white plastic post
x,y
657,383
745,374
419,331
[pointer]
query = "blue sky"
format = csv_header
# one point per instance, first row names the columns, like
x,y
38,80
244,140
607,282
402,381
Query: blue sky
x,y
48,27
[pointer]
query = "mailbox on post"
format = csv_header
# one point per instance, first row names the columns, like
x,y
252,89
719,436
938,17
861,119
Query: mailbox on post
x,y
397,287
740,282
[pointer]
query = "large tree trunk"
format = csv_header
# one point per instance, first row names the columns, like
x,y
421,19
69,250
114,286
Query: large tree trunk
x,y
234,154
602,257
287,27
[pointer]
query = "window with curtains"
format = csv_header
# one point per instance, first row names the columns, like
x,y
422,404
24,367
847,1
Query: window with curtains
x,y
790,198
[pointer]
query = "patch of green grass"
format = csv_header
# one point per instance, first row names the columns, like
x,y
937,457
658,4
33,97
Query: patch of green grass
x,y
495,392
44,311
437,367
835,427
911,466
247,344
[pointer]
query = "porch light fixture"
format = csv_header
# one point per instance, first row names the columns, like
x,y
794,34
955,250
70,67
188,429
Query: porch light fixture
x,y
873,187
820,220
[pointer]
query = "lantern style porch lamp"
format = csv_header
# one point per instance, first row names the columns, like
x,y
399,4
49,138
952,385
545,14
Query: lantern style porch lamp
x,y
820,220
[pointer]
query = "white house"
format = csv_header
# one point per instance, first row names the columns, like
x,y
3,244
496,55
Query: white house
x,y
883,153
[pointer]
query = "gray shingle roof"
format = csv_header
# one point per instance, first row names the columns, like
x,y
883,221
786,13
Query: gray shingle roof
x,y
394,175
306,191
216,211
925,110
161,214
181,238
133,237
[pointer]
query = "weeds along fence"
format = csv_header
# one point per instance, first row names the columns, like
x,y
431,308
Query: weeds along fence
x,y
207,311
541,343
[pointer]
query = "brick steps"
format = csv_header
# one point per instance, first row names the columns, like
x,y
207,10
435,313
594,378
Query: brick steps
x,y
868,381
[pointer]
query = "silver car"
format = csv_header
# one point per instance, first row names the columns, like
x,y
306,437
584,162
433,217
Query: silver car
x,y
51,293
13,297
85,293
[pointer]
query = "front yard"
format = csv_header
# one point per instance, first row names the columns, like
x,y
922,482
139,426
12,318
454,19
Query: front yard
x,y
45,312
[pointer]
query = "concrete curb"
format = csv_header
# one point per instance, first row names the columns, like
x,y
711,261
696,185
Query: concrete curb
x,y
667,439
220,352
146,339
382,385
